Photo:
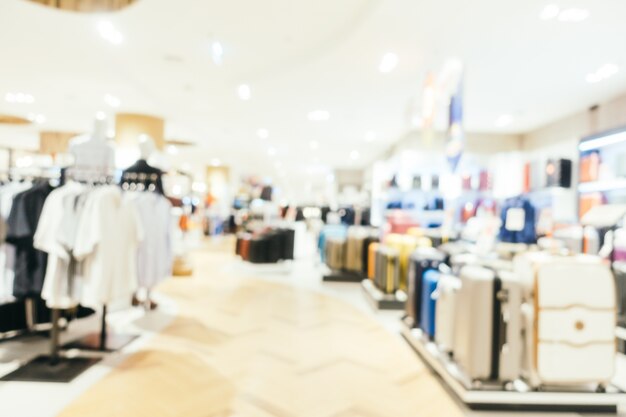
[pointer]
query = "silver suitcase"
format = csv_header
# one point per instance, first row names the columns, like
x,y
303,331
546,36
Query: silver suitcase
x,y
488,334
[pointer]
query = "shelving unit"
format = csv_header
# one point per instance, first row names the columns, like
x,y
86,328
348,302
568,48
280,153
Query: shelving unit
x,y
381,301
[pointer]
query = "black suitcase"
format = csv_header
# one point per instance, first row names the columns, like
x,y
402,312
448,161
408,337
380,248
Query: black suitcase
x,y
288,237
259,250
422,260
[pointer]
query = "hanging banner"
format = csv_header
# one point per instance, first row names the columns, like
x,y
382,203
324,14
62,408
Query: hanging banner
x,y
456,137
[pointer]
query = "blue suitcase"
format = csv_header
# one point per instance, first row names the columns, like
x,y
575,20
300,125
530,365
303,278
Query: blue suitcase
x,y
427,316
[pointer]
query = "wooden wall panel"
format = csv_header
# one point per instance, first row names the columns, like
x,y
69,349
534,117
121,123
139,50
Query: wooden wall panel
x,y
52,143
129,126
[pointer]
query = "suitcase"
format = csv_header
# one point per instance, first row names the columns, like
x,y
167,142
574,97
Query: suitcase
x,y
328,231
336,253
421,260
488,332
570,335
445,312
371,259
288,237
244,247
259,250
354,248
365,256
427,315
405,245
387,269
274,240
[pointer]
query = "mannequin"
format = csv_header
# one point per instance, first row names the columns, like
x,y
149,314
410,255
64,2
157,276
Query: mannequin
x,y
141,167
141,176
93,156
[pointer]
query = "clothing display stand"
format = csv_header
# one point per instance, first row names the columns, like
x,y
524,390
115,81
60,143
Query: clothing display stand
x,y
104,341
54,367
343,276
381,301
514,396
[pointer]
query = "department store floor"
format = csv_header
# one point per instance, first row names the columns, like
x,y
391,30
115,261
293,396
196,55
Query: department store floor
x,y
246,341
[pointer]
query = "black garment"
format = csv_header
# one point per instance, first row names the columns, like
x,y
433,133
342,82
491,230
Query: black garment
x,y
142,167
30,263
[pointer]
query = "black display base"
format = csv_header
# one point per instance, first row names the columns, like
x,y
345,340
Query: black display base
x,y
93,342
381,301
343,276
41,369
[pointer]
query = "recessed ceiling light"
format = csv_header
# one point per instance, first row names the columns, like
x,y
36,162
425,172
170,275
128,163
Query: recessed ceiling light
x,y
318,115
217,52
504,120
112,101
172,150
40,118
370,136
101,115
330,178
109,32
271,151
354,155
573,15
388,63
244,92
216,162
19,98
549,12
602,73
263,133
314,144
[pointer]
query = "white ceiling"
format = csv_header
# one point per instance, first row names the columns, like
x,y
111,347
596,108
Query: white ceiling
x,y
304,55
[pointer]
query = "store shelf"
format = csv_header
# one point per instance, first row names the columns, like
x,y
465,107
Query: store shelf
x,y
616,184
381,301
514,396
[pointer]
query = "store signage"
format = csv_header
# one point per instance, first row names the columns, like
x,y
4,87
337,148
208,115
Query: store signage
x,y
456,137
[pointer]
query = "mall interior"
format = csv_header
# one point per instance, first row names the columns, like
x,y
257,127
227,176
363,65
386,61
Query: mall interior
x,y
356,208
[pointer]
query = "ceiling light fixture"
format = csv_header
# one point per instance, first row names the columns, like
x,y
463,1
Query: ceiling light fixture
x,y
573,15
112,101
216,162
354,155
101,115
314,144
109,32
602,73
19,98
263,133
504,120
370,136
271,151
40,119
318,115
172,150
244,92
217,52
388,63
549,12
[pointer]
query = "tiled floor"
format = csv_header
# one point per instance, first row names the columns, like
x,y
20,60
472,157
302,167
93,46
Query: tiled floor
x,y
238,340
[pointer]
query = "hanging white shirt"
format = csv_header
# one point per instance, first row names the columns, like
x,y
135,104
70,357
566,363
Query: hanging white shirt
x,y
61,288
108,234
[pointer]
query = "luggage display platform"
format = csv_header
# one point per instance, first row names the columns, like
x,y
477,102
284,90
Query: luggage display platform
x,y
381,301
516,396
343,276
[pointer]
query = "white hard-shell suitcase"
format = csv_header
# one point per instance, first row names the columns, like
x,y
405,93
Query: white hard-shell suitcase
x,y
446,294
570,321
488,329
